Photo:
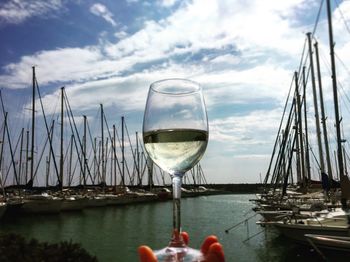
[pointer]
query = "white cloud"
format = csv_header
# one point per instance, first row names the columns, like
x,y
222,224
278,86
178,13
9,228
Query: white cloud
x,y
102,11
201,25
61,65
251,50
167,3
249,129
17,11
121,34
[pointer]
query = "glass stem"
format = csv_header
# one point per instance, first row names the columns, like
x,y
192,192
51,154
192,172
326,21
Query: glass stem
x,y
177,239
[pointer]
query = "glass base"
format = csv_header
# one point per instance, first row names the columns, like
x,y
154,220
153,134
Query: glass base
x,y
179,254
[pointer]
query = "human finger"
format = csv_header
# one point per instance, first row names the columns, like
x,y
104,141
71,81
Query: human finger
x,y
215,253
146,254
207,243
185,237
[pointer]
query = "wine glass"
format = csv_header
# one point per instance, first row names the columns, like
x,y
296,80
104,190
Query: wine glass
x,y
175,135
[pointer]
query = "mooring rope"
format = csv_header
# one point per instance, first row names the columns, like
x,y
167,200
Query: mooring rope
x,y
236,225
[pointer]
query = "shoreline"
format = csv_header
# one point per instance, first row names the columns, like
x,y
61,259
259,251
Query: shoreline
x,y
22,200
231,188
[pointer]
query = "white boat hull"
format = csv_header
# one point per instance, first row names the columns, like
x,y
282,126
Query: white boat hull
x,y
329,242
73,204
297,232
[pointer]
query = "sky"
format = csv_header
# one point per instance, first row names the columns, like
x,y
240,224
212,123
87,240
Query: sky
x,y
243,53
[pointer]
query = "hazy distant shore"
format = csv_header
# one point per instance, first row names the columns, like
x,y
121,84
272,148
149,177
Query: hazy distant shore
x,y
239,188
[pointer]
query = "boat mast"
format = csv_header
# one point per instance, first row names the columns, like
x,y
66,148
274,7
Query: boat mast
x,y
307,155
20,156
317,118
279,169
323,116
2,144
61,147
51,152
138,160
149,164
106,161
70,175
296,127
114,157
344,181
102,148
300,128
48,158
6,129
123,154
96,165
84,152
33,132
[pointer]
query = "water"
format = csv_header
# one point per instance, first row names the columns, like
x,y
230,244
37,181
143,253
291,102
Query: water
x,y
114,233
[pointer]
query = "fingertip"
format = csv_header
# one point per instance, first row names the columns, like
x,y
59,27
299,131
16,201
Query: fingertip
x,y
215,253
146,254
207,243
216,248
185,237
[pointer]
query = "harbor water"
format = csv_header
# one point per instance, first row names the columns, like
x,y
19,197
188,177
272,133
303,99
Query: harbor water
x,y
114,233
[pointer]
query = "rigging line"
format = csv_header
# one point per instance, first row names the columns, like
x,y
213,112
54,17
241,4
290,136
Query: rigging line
x,y
89,132
97,127
317,18
93,150
8,136
126,164
338,82
2,128
41,156
283,144
15,150
344,95
75,165
315,158
143,170
47,129
72,121
114,144
302,55
342,16
143,157
342,62
93,161
69,165
132,150
44,115
22,118
120,144
278,132
66,153
72,129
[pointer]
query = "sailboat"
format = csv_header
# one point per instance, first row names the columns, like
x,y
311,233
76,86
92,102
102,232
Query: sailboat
x,y
337,243
332,220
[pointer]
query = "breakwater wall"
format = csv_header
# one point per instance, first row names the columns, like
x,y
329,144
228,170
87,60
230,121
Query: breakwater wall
x,y
237,188
242,188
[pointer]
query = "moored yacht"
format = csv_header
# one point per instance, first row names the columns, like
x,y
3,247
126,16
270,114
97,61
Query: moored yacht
x,y
43,203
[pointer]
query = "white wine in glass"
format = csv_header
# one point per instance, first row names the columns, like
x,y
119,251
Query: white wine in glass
x,y
175,135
